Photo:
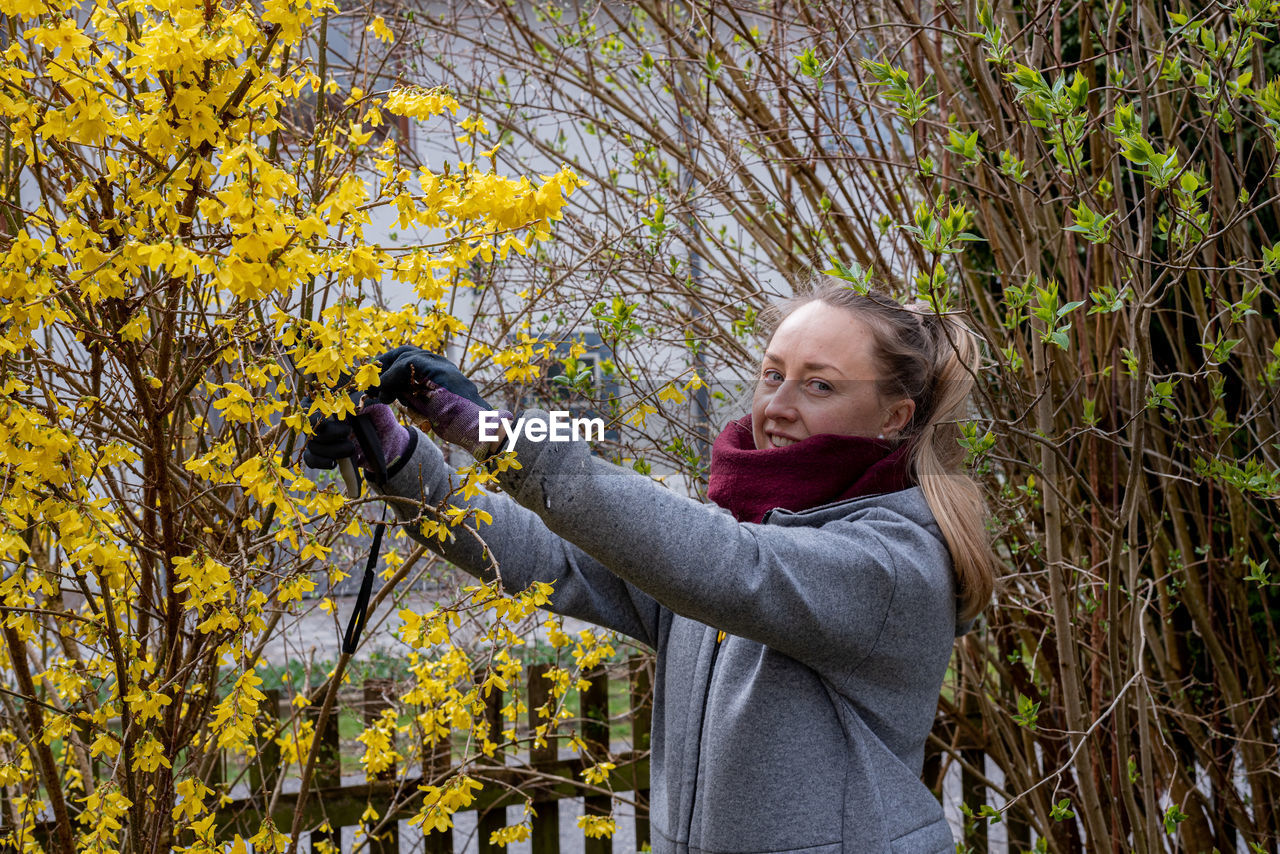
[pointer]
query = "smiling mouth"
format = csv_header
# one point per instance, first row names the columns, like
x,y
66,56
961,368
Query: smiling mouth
x,y
781,441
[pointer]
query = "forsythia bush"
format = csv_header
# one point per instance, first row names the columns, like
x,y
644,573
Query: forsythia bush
x,y
183,272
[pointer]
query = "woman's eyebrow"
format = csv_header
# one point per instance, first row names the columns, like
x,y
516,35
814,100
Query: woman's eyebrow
x,y
821,366
808,366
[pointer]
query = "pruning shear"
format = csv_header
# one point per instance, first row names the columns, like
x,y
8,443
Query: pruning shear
x,y
370,448
366,437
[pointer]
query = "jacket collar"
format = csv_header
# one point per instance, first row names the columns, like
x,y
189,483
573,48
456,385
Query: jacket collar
x,y
909,503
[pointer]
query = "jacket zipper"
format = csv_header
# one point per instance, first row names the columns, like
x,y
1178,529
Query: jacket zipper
x,y
702,729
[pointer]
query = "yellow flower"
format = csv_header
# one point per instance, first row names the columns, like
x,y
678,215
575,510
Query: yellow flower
x,y
148,754
367,376
597,826
65,36
23,8
641,412
192,792
671,394
504,836
597,774
380,29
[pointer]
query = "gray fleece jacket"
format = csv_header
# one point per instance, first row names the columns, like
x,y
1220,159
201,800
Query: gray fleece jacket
x,y
804,729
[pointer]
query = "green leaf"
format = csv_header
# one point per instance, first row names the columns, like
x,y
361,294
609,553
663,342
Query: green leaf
x,y
1079,90
1220,349
1028,712
1069,307
1012,167
809,64
1138,150
1172,818
1254,477
1028,81
964,146
1160,394
713,65
1271,258
1106,300
855,275
1130,360
1258,572
1095,229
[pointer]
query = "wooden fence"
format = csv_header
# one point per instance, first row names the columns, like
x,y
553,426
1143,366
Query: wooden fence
x,y
540,774
961,741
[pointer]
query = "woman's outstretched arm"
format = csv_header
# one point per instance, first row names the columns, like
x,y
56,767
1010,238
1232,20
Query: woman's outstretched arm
x,y
878,579
520,545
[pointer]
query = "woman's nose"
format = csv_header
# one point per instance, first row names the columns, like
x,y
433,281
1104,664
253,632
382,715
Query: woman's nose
x,y
782,403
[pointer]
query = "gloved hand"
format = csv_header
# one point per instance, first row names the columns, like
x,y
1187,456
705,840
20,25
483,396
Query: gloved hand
x,y
434,388
335,439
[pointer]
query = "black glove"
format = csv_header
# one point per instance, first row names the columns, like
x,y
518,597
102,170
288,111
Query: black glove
x,y
409,374
371,437
331,440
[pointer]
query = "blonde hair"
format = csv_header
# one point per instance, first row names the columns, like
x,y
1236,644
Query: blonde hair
x,y
930,359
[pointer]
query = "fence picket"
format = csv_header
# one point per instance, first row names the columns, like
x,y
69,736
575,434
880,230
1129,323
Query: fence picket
x,y
594,705
327,773
377,697
437,759
545,836
640,679
494,817
264,770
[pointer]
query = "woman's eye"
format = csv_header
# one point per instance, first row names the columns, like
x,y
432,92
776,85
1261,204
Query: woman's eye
x,y
820,387
771,376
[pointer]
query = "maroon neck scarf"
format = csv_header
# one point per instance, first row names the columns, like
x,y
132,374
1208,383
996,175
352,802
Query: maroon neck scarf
x,y
819,470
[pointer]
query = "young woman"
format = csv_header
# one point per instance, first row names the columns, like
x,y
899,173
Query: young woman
x,y
802,636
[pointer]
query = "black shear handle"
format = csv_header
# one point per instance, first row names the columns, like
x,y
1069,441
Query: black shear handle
x,y
370,447
360,615
376,461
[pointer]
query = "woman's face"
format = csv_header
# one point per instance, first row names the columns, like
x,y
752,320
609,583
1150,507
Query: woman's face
x,y
819,376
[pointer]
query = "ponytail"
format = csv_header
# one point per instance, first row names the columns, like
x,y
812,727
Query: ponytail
x,y
937,458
